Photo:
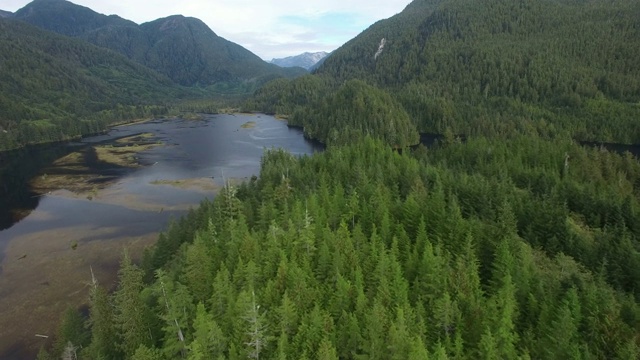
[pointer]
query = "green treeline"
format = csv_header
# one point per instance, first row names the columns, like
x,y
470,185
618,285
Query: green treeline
x,y
357,109
550,68
521,248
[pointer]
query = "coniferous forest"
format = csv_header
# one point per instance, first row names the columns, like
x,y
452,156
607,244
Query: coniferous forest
x,y
481,250
507,239
548,68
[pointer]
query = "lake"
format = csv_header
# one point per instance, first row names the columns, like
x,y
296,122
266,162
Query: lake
x,y
68,208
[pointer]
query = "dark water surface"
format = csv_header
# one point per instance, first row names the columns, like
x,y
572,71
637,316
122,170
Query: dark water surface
x,y
215,147
35,231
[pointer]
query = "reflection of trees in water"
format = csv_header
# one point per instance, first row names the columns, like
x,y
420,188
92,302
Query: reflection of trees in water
x,y
18,168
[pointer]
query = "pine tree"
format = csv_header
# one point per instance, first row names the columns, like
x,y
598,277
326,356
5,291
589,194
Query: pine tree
x,y
145,353
199,269
72,330
103,327
208,339
257,330
129,309
177,310
326,350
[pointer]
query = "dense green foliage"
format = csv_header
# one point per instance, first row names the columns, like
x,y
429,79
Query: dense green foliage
x,y
54,88
516,243
183,49
357,109
477,250
551,68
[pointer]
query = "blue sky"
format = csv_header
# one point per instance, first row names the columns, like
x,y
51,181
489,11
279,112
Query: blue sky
x,y
276,28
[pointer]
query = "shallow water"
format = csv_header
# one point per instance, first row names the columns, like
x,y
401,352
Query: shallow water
x,y
50,242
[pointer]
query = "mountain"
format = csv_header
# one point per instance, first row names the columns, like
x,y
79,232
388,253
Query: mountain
x,y
5,14
306,60
182,48
53,87
67,18
552,68
319,63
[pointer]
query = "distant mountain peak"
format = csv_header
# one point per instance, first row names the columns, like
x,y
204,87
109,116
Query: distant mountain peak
x,y
5,14
174,22
67,18
305,60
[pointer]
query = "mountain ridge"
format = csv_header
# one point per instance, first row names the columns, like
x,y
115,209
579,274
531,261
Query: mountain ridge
x,y
53,87
497,67
183,48
306,60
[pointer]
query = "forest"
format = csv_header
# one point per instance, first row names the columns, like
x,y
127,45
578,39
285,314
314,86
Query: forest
x,y
550,68
483,249
54,88
507,239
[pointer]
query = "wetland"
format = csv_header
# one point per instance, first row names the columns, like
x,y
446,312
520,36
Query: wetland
x,y
71,207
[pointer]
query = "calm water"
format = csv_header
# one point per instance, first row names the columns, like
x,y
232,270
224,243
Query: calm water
x,y
35,231
213,148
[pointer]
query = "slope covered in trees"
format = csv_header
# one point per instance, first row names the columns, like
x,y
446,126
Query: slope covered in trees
x,y
356,109
553,68
184,49
53,87
479,250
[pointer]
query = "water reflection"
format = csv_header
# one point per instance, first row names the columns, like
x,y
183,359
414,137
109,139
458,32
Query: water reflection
x,y
127,209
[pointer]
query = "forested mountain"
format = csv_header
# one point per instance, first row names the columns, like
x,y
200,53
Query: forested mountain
x,y
182,48
516,243
53,87
555,68
306,60
5,14
66,18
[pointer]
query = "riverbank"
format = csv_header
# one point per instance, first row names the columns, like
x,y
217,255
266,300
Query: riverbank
x,y
101,206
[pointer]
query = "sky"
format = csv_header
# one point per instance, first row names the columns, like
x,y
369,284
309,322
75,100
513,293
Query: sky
x,y
268,28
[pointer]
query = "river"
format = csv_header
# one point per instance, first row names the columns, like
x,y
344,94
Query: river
x,y
70,207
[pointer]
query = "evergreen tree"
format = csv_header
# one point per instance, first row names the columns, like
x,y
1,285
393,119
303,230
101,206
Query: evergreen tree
x,y
129,316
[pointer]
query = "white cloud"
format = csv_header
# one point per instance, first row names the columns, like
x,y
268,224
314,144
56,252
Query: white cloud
x,y
268,28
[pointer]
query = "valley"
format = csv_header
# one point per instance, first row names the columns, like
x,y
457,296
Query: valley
x,y
460,180
89,210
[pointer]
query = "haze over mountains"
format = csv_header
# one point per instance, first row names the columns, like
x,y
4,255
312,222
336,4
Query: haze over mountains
x,y
306,60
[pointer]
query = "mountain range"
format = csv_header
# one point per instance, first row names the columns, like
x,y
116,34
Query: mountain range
x,y
306,60
552,68
68,70
184,49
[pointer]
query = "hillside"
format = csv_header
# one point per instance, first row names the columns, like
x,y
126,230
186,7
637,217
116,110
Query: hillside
x,y
184,49
5,14
556,68
66,18
53,87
